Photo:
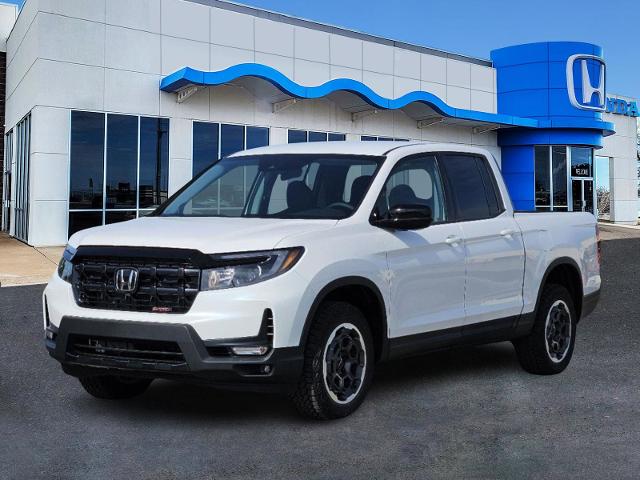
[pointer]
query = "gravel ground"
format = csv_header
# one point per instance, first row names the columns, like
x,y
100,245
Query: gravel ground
x,y
466,413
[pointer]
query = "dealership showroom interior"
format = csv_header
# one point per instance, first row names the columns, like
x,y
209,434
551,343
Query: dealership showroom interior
x,y
111,108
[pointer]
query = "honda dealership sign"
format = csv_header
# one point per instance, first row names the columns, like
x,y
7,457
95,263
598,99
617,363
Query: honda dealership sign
x,y
589,88
584,98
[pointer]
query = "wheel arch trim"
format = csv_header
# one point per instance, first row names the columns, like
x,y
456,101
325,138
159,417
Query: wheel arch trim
x,y
347,282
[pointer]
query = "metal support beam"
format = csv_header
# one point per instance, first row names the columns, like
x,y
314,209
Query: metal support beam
x,y
283,105
488,128
355,116
182,95
427,122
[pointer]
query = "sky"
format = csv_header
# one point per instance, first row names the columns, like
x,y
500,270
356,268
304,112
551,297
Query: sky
x,y
475,27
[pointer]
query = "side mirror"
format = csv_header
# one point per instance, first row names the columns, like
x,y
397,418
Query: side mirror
x,y
406,217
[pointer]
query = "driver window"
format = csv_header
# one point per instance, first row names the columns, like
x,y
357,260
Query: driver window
x,y
415,181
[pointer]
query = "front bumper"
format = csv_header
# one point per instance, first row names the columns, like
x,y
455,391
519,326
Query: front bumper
x,y
207,361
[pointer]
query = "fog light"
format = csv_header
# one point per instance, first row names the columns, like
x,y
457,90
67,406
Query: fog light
x,y
254,350
49,335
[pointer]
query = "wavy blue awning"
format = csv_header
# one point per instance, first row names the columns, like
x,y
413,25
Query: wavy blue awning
x,y
191,77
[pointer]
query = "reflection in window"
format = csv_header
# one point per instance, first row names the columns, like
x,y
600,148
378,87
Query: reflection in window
x,y
122,161
86,160
581,162
154,161
128,187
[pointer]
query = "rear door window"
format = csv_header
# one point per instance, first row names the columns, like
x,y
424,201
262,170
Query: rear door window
x,y
472,187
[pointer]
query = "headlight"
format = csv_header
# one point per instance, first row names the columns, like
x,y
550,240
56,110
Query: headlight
x,y
238,269
65,267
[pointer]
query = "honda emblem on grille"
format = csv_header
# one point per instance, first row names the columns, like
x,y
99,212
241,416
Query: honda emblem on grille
x,y
126,280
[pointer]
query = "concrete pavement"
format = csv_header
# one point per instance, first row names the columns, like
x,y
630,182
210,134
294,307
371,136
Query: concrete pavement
x,y
21,264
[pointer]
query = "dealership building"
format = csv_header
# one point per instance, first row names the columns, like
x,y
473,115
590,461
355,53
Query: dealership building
x,y
112,105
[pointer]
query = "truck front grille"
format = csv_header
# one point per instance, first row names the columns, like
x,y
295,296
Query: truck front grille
x,y
124,351
163,286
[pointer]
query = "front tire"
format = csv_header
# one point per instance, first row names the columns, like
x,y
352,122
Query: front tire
x,y
113,387
338,363
548,349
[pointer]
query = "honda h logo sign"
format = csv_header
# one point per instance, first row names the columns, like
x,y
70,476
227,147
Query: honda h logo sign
x,y
126,280
589,86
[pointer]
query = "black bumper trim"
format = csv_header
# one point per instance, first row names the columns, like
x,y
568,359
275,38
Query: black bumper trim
x,y
589,303
285,363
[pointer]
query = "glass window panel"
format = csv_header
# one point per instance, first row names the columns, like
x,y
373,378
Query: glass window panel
x,y
588,196
401,139
257,137
357,182
411,182
297,136
154,161
581,161
121,216
122,161
542,177
86,160
367,138
144,213
231,139
385,139
317,137
489,186
81,220
559,166
205,146
337,137
576,193
468,188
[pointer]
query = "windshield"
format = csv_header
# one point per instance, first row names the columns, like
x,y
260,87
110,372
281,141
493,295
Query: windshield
x,y
277,186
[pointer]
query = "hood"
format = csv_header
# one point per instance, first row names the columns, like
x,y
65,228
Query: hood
x,y
206,234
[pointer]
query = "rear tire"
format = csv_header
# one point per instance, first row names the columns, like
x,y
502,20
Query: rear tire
x,y
338,363
113,387
547,350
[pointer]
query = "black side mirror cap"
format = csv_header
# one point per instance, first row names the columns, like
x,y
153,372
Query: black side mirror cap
x,y
406,217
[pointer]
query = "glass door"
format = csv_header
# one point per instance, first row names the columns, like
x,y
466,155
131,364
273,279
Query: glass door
x,y
582,195
582,191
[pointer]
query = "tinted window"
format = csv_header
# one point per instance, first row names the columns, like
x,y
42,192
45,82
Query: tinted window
x,y
490,187
467,187
231,139
542,177
87,160
81,220
122,161
415,181
337,137
257,137
154,161
297,136
205,146
559,165
367,138
317,137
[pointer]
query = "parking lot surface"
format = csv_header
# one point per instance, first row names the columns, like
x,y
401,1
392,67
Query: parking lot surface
x,y
466,413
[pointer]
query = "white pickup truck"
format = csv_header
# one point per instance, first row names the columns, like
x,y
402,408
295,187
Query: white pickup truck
x,y
301,267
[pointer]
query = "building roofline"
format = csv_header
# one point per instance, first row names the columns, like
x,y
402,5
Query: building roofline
x,y
324,27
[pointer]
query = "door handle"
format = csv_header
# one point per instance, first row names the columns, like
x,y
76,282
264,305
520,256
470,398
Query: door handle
x,y
507,232
453,240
